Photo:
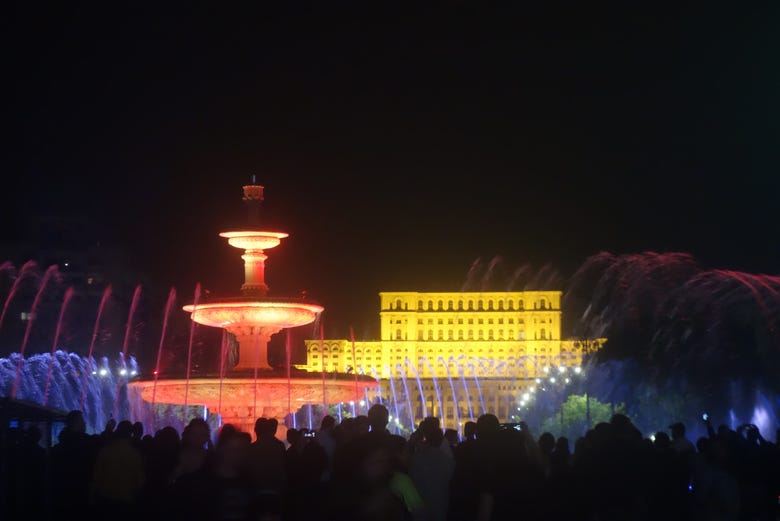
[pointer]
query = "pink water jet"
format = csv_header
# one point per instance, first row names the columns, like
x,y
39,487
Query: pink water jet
x,y
253,388
65,301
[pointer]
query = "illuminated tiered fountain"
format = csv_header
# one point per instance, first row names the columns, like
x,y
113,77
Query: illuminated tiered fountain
x,y
253,388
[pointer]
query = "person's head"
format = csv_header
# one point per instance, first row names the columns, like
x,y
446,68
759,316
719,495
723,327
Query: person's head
x,y
470,430
198,432
662,441
487,425
166,438
431,432
624,428
294,436
265,428
677,430
231,449
138,430
546,442
124,430
225,432
74,422
327,423
378,416
451,435
562,445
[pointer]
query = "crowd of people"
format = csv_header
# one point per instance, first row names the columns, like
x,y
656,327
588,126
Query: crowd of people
x,y
357,470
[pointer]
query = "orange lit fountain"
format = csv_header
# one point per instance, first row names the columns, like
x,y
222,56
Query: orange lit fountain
x,y
253,388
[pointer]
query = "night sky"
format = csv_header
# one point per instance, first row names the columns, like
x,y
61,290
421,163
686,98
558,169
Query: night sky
x,y
396,147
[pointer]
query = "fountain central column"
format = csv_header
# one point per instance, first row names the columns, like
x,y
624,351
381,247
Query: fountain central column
x,y
254,273
253,346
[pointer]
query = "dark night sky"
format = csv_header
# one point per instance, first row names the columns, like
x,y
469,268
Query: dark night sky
x,y
397,147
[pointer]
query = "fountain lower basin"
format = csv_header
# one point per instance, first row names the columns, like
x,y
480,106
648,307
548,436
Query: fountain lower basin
x,y
244,399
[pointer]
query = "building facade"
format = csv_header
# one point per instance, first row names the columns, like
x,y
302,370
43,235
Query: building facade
x,y
457,355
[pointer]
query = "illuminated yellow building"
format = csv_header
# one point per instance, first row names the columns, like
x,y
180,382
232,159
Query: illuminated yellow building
x,y
457,355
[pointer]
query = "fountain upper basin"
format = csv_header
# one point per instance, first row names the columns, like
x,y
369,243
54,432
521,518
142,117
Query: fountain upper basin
x,y
264,312
254,240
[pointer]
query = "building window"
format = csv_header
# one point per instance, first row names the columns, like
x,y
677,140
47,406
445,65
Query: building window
x,y
441,334
449,334
480,321
430,334
471,334
490,321
481,334
419,321
511,321
471,321
450,321
419,334
460,334
440,321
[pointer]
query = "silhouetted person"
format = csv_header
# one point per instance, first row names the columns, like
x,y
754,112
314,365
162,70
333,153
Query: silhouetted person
x,y
119,475
26,475
431,470
266,459
192,479
547,445
451,435
378,417
467,482
680,443
161,460
72,461
232,494
326,439
380,490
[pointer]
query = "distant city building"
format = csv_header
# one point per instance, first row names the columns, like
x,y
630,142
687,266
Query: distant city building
x,y
505,340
